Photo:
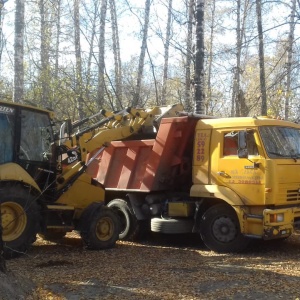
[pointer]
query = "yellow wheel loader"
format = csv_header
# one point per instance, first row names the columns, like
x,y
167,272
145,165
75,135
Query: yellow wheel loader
x,y
44,184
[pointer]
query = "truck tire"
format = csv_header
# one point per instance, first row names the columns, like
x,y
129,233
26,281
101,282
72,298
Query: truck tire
x,y
130,227
20,216
220,230
101,229
172,226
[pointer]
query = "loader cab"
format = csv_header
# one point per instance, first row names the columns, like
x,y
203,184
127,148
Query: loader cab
x,y
26,138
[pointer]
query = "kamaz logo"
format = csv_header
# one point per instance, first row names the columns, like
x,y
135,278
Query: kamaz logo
x,y
6,110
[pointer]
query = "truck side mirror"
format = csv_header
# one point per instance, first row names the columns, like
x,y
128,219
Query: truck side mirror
x,y
242,144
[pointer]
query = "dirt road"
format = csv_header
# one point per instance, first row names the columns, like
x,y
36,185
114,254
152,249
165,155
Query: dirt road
x,y
161,267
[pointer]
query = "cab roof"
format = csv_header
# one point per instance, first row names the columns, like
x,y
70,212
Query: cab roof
x,y
244,122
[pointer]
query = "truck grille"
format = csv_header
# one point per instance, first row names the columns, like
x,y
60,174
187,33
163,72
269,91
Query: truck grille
x,y
293,195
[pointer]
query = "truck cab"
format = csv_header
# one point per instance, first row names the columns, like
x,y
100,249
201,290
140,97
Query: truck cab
x,y
252,164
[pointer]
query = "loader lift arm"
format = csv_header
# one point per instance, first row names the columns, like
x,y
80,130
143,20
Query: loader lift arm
x,y
115,126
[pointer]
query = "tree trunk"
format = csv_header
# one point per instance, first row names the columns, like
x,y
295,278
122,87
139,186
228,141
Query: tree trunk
x,y
262,77
78,83
91,50
117,54
210,56
166,55
289,60
58,7
189,53
101,62
45,49
235,105
19,52
136,97
199,59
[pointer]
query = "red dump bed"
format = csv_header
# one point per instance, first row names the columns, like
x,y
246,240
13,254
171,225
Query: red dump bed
x,y
149,165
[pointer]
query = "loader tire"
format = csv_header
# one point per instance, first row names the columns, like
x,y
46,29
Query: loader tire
x,y
20,216
101,230
131,229
220,230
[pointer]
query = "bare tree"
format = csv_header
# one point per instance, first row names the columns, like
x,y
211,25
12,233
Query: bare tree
x,y
57,42
19,51
101,62
78,83
199,59
117,53
166,54
262,76
45,49
136,97
289,59
189,54
210,54
239,106
93,21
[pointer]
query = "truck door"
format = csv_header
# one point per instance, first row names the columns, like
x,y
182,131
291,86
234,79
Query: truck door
x,y
243,175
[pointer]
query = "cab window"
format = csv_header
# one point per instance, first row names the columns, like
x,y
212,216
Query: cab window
x,y
36,136
230,144
7,129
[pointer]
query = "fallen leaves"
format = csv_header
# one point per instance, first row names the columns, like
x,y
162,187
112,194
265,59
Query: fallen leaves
x,y
159,268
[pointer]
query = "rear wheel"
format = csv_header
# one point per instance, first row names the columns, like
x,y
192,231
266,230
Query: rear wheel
x,y
102,230
20,218
220,230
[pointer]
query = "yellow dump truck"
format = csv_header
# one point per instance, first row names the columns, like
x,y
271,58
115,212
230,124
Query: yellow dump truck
x,y
229,179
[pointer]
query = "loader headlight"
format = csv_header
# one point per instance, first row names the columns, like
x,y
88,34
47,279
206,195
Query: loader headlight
x,y
274,218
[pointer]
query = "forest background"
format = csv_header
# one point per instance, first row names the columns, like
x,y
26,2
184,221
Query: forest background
x,y
78,56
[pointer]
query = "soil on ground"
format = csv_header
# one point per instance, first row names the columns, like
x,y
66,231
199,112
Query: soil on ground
x,y
160,267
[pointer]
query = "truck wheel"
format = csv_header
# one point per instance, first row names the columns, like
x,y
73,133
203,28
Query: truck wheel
x,y
129,225
20,217
102,229
220,230
172,226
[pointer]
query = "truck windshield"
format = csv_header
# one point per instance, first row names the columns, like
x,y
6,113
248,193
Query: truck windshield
x,y
281,142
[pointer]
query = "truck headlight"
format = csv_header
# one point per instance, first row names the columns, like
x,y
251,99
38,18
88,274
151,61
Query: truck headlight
x,y
274,218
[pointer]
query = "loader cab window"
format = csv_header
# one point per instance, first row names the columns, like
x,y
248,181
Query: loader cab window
x,y
36,136
7,129
230,144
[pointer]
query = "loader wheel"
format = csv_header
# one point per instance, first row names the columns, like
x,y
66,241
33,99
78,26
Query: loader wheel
x,y
20,218
102,230
131,229
220,230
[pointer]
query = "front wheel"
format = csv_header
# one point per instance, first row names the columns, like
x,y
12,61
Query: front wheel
x,y
20,218
102,229
220,230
